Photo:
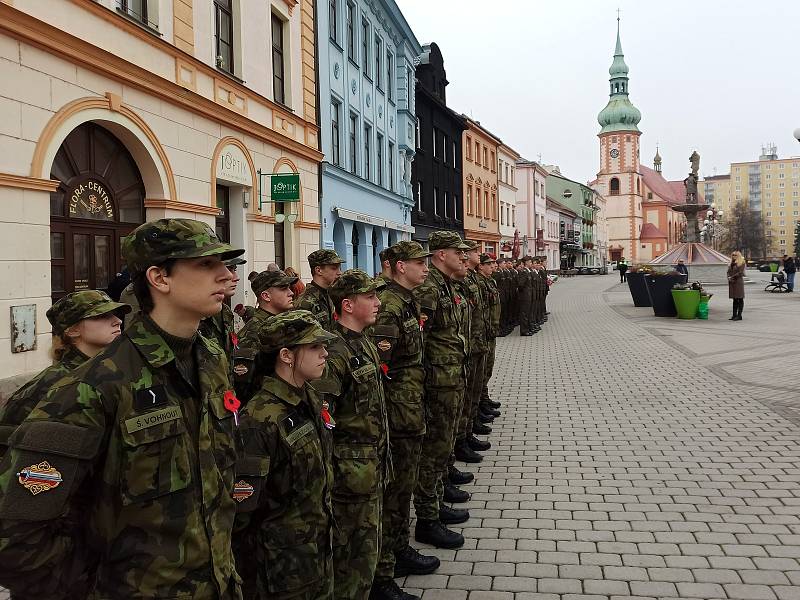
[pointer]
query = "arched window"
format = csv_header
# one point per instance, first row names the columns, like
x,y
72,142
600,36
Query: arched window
x,y
637,185
614,186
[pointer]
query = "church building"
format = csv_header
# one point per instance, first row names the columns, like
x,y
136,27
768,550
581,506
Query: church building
x,y
639,200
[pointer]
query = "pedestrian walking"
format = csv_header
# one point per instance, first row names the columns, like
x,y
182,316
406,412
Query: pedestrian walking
x,y
361,461
397,335
736,284
325,269
125,470
283,484
622,267
83,324
790,268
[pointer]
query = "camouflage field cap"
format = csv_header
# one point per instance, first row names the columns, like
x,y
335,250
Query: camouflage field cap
x,y
267,279
487,258
440,240
472,245
320,258
235,262
291,328
155,242
407,250
77,306
351,283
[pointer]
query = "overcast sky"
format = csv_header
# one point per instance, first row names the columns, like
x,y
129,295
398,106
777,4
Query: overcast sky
x,y
718,76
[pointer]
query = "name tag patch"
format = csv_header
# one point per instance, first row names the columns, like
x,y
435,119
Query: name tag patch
x,y
151,419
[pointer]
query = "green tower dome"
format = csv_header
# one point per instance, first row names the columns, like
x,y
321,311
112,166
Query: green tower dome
x,y
619,114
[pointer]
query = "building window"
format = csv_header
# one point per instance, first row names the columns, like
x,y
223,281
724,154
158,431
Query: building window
x,y
446,211
469,199
493,163
436,201
351,31
335,116
469,148
352,144
223,34
455,151
390,75
486,164
512,176
478,211
278,79
378,66
137,10
391,167
435,144
379,159
455,207
478,153
365,46
367,153
487,211
502,214
513,216
333,9
614,186
409,86
494,207
418,133
419,196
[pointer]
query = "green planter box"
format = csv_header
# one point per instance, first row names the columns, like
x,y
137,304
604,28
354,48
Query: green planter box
x,y
686,302
773,267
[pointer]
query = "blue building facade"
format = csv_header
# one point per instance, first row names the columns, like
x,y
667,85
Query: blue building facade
x,y
367,58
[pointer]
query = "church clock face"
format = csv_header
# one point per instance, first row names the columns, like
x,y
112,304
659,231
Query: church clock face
x,y
614,153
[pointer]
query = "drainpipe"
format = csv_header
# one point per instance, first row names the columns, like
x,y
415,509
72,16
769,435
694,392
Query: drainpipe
x,y
319,115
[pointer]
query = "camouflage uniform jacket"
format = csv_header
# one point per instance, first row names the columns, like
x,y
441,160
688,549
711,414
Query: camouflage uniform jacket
x,y
25,399
479,318
247,370
146,461
319,303
397,335
491,302
353,382
445,316
284,525
220,328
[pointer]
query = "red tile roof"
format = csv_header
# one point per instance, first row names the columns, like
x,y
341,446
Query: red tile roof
x,y
671,192
650,231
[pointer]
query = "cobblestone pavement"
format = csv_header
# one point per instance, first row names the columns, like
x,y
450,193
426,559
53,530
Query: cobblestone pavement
x,y
637,457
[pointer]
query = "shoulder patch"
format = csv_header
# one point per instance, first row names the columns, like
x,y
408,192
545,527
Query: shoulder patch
x,y
148,398
384,345
295,426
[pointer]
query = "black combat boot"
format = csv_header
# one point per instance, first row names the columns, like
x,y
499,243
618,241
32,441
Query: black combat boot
x,y
478,445
488,410
436,534
388,589
409,561
492,403
453,516
483,417
479,428
457,477
466,454
455,495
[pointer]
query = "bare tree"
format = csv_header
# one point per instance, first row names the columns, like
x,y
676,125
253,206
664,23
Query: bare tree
x,y
744,231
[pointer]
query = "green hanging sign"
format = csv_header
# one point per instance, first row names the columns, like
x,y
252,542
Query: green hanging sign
x,y
285,188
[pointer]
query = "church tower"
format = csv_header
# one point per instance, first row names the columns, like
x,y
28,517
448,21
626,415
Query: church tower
x,y
619,178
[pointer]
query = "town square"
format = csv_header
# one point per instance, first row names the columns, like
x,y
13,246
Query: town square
x,y
399,300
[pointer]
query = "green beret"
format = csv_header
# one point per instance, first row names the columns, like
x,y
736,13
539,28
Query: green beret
x,y
156,242
75,307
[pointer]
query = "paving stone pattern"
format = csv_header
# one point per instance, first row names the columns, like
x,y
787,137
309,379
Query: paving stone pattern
x,y
636,458
624,467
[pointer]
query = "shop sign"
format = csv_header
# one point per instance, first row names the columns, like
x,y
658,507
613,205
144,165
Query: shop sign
x,y
89,199
232,166
285,187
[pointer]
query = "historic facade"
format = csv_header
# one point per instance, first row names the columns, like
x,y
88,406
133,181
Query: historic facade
x,y
507,186
436,173
531,210
367,56
481,218
113,116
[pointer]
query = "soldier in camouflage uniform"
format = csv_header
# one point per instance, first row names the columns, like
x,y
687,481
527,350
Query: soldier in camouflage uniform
x,y
83,324
284,523
525,297
354,384
445,319
220,327
467,446
274,296
137,445
491,295
397,334
325,269
386,266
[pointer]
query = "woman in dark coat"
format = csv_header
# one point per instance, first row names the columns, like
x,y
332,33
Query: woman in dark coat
x,y
736,284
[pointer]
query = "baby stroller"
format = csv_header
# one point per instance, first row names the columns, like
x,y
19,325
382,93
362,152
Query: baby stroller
x,y
778,283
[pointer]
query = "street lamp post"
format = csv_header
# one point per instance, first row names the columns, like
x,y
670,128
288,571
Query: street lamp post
x,y
711,226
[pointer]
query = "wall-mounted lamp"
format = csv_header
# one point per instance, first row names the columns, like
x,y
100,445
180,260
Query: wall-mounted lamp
x,y
246,198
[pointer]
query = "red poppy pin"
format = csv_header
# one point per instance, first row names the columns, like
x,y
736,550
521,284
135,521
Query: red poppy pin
x,y
232,404
457,300
235,340
325,413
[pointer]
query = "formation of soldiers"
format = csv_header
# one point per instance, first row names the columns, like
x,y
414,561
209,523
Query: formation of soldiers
x,y
179,458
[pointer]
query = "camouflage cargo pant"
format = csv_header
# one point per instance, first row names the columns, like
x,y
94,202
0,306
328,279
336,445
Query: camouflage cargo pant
x,y
441,417
487,370
356,546
397,501
472,396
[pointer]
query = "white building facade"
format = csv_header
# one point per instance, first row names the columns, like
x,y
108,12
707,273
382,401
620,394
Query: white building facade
x,y
507,193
